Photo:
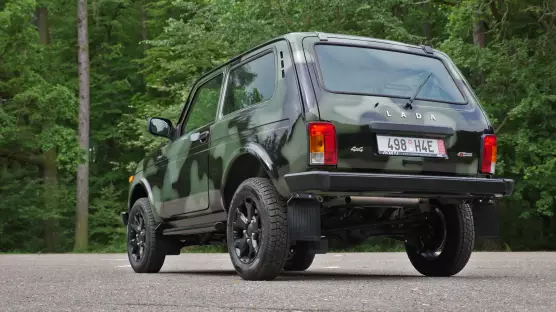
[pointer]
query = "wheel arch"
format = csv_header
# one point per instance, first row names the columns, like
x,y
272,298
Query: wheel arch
x,y
241,167
142,189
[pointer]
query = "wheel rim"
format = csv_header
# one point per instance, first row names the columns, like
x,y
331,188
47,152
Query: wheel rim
x,y
137,237
432,244
247,230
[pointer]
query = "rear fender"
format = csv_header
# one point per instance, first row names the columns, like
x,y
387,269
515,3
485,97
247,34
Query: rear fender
x,y
264,159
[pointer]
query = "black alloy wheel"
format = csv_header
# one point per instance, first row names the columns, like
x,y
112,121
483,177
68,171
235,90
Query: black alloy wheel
x,y
446,244
247,231
431,244
257,230
146,249
137,237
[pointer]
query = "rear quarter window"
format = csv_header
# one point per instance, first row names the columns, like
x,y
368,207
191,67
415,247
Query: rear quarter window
x,y
251,83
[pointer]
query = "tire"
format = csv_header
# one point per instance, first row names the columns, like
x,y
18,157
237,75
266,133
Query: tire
x,y
258,241
457,243
301,258
154,248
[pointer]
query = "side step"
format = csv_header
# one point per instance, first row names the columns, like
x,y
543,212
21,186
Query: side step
x,y
197,229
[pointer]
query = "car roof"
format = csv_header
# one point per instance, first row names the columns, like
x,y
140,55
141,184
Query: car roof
x,y
299,36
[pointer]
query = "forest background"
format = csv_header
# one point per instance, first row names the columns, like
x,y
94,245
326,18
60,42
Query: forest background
x,y
144,56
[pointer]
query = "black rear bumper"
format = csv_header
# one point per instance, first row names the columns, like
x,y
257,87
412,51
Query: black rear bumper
x,y
324,182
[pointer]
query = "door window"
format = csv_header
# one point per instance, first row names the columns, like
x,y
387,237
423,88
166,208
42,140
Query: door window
x,y
251,83
204,105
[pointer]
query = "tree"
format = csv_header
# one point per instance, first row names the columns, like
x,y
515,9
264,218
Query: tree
x,y
144,56
49,165
82,215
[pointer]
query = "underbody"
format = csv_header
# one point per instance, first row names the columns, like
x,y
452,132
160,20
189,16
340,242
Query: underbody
x,y
346,220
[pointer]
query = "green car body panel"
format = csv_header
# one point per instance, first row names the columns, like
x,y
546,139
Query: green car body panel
x,y
190,177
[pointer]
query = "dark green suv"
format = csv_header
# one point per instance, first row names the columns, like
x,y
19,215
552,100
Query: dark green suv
x,y
314,137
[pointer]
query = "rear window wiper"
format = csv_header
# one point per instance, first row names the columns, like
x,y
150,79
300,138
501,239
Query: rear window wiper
x,y
408,104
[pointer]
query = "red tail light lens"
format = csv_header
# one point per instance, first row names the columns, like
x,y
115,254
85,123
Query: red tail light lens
x,y
488,158
322,144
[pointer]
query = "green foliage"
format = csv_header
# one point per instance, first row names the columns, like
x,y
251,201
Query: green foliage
x,y
106,230
146,54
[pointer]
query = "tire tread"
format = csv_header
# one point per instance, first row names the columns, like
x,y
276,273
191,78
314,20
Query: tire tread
x,y
156,249
278,235
461,235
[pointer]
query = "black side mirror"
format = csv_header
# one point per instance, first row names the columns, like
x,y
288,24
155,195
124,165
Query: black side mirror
x,y
160,127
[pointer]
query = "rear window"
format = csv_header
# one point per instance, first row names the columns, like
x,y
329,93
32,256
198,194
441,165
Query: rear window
x,y
359,70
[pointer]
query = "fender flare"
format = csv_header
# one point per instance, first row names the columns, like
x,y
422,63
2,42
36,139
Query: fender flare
x,y
260,154
142,182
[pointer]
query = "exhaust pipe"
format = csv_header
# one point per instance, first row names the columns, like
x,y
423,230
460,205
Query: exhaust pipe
x,y
381,201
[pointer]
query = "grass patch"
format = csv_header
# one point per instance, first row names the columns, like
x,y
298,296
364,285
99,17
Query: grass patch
x,y
373,244
205,249
16,252
369,248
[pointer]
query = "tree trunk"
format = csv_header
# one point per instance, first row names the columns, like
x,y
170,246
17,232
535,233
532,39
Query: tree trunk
x,y
51,229
94,6
553,226
42,24
82,209
50,170
479,29
144,29
479,33
427,32
479,36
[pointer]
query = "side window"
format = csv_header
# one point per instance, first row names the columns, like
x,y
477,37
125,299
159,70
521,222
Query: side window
x,y
251,83
204,106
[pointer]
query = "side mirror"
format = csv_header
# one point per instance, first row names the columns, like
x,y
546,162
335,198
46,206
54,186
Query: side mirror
x,y
160,127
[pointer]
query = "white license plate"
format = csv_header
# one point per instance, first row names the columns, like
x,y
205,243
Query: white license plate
x,y
405,146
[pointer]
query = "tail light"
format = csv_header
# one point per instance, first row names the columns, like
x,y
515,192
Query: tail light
x,y
488,155
322,144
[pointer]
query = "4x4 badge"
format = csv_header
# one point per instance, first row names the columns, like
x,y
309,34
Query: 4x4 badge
x,y
417,115
357,149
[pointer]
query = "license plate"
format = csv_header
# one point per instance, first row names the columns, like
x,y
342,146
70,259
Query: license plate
x,y
406,146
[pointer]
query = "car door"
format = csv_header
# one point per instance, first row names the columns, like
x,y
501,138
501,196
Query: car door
x,y
187,177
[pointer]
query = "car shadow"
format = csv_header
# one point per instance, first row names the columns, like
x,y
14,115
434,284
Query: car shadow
x,y
320,275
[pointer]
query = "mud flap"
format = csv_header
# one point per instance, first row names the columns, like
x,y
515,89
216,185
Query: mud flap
x,y
304,220
486,219
320,247
173,249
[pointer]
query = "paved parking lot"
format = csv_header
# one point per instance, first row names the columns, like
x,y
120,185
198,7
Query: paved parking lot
x,y
335,282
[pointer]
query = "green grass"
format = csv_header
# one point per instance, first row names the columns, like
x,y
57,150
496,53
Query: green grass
x,y
205,249
373,244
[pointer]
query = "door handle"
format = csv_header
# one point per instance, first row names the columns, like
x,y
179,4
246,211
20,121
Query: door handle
x,y
203,136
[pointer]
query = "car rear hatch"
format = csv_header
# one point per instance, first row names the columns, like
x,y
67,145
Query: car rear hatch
x,y
396,108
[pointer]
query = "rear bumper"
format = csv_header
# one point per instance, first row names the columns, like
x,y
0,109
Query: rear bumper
x,y
323,182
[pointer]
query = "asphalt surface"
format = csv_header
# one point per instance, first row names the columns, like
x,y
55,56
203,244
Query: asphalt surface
x,y
335,282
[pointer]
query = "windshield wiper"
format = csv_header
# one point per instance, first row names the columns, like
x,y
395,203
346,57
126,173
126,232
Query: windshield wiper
x,y
408,104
